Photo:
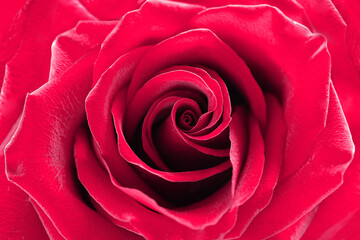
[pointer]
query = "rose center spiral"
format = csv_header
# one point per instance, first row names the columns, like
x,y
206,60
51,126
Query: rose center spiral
x,y
187,120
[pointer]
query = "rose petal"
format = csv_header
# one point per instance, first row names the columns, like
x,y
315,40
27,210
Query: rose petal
x,y
350,229
348,10
95,106
296,230
281,68
182,154
128,154
12,15
30,59
156,112
196,216
291,8
110,9
252,171
68,47
15,208
201,47
204,135
167,134
239,138
320,175
181,184
18,17
56,192
155,20
16,212
273,159
98,103
51,231
342,32
343,44
242,189
117,206
162,84
15,89
339,213
206,85
182,177
8,13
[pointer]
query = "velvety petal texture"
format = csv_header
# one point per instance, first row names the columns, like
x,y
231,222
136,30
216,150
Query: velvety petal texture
x,y
27,31
179,119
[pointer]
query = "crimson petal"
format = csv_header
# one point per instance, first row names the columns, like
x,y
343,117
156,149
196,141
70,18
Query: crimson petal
x,y
29,57
46,110
297,230
273,160
128,154
320,175
281,69
193,49
154,21
188,218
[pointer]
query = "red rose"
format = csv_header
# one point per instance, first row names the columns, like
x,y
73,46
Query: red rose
x,y
215,120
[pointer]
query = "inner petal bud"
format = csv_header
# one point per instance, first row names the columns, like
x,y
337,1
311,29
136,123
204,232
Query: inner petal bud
x,y
187,120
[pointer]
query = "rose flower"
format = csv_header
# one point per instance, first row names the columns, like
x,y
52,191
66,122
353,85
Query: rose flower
x,y
179,120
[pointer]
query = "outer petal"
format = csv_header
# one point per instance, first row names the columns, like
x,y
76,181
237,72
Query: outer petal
x,y
350,230
71,45
154,21
339,21
110,9
313,182
16,211
56,109
26,32
52,232
349,12
272,165
291,8
338,216
41,21
294,76
98,103
297,230
46,170
343,40
123,210
11,15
